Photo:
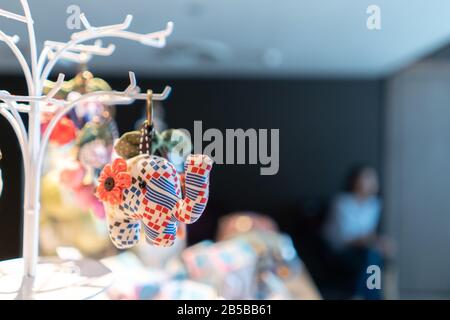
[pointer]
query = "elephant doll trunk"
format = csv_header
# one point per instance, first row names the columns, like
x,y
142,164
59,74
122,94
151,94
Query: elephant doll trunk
x,y
197,170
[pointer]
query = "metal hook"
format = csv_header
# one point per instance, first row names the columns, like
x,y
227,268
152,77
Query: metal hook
x,y
149,107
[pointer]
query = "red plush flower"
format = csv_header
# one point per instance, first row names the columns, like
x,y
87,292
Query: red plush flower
x,y
64,132
113,180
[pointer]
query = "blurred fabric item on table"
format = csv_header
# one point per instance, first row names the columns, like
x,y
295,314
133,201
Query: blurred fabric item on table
x,y
186,290
132,277
258,263
228,266
243,221
134,280
278,263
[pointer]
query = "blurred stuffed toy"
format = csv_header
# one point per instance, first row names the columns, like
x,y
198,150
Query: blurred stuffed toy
x,y
72,177
88,133
95,145
80,145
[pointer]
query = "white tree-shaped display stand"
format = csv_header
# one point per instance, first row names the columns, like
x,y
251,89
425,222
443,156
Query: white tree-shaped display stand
x,y
31,277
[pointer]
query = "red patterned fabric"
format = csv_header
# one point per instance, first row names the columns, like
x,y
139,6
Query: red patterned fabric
x,y
154,201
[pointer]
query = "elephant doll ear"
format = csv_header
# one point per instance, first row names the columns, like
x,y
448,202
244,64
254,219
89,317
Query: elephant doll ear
x,y
127,146
130,144
175,146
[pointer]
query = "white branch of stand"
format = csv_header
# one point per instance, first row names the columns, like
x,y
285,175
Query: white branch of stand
x,y
14,16
90,29
11,43
9,110
155,39
79,53
49,98
130,94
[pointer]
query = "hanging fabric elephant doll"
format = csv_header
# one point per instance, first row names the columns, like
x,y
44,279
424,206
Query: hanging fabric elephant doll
x,y
147,190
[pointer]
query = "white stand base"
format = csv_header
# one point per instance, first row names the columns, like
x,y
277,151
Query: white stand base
x,y
56,280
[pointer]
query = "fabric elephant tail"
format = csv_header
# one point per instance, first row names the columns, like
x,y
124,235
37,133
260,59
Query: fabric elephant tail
x,y
197,169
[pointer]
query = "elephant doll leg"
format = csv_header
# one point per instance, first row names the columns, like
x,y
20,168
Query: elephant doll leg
x,y
124,232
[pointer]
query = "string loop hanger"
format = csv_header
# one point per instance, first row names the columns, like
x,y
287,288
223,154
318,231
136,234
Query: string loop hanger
x,y
148,130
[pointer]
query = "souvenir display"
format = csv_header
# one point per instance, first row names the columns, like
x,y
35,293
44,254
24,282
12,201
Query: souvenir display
x,y
90,191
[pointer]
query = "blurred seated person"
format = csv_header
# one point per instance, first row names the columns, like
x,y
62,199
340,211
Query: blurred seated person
x,y
351,230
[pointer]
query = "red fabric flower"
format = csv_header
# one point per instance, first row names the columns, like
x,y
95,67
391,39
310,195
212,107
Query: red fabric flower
x,y
113,180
